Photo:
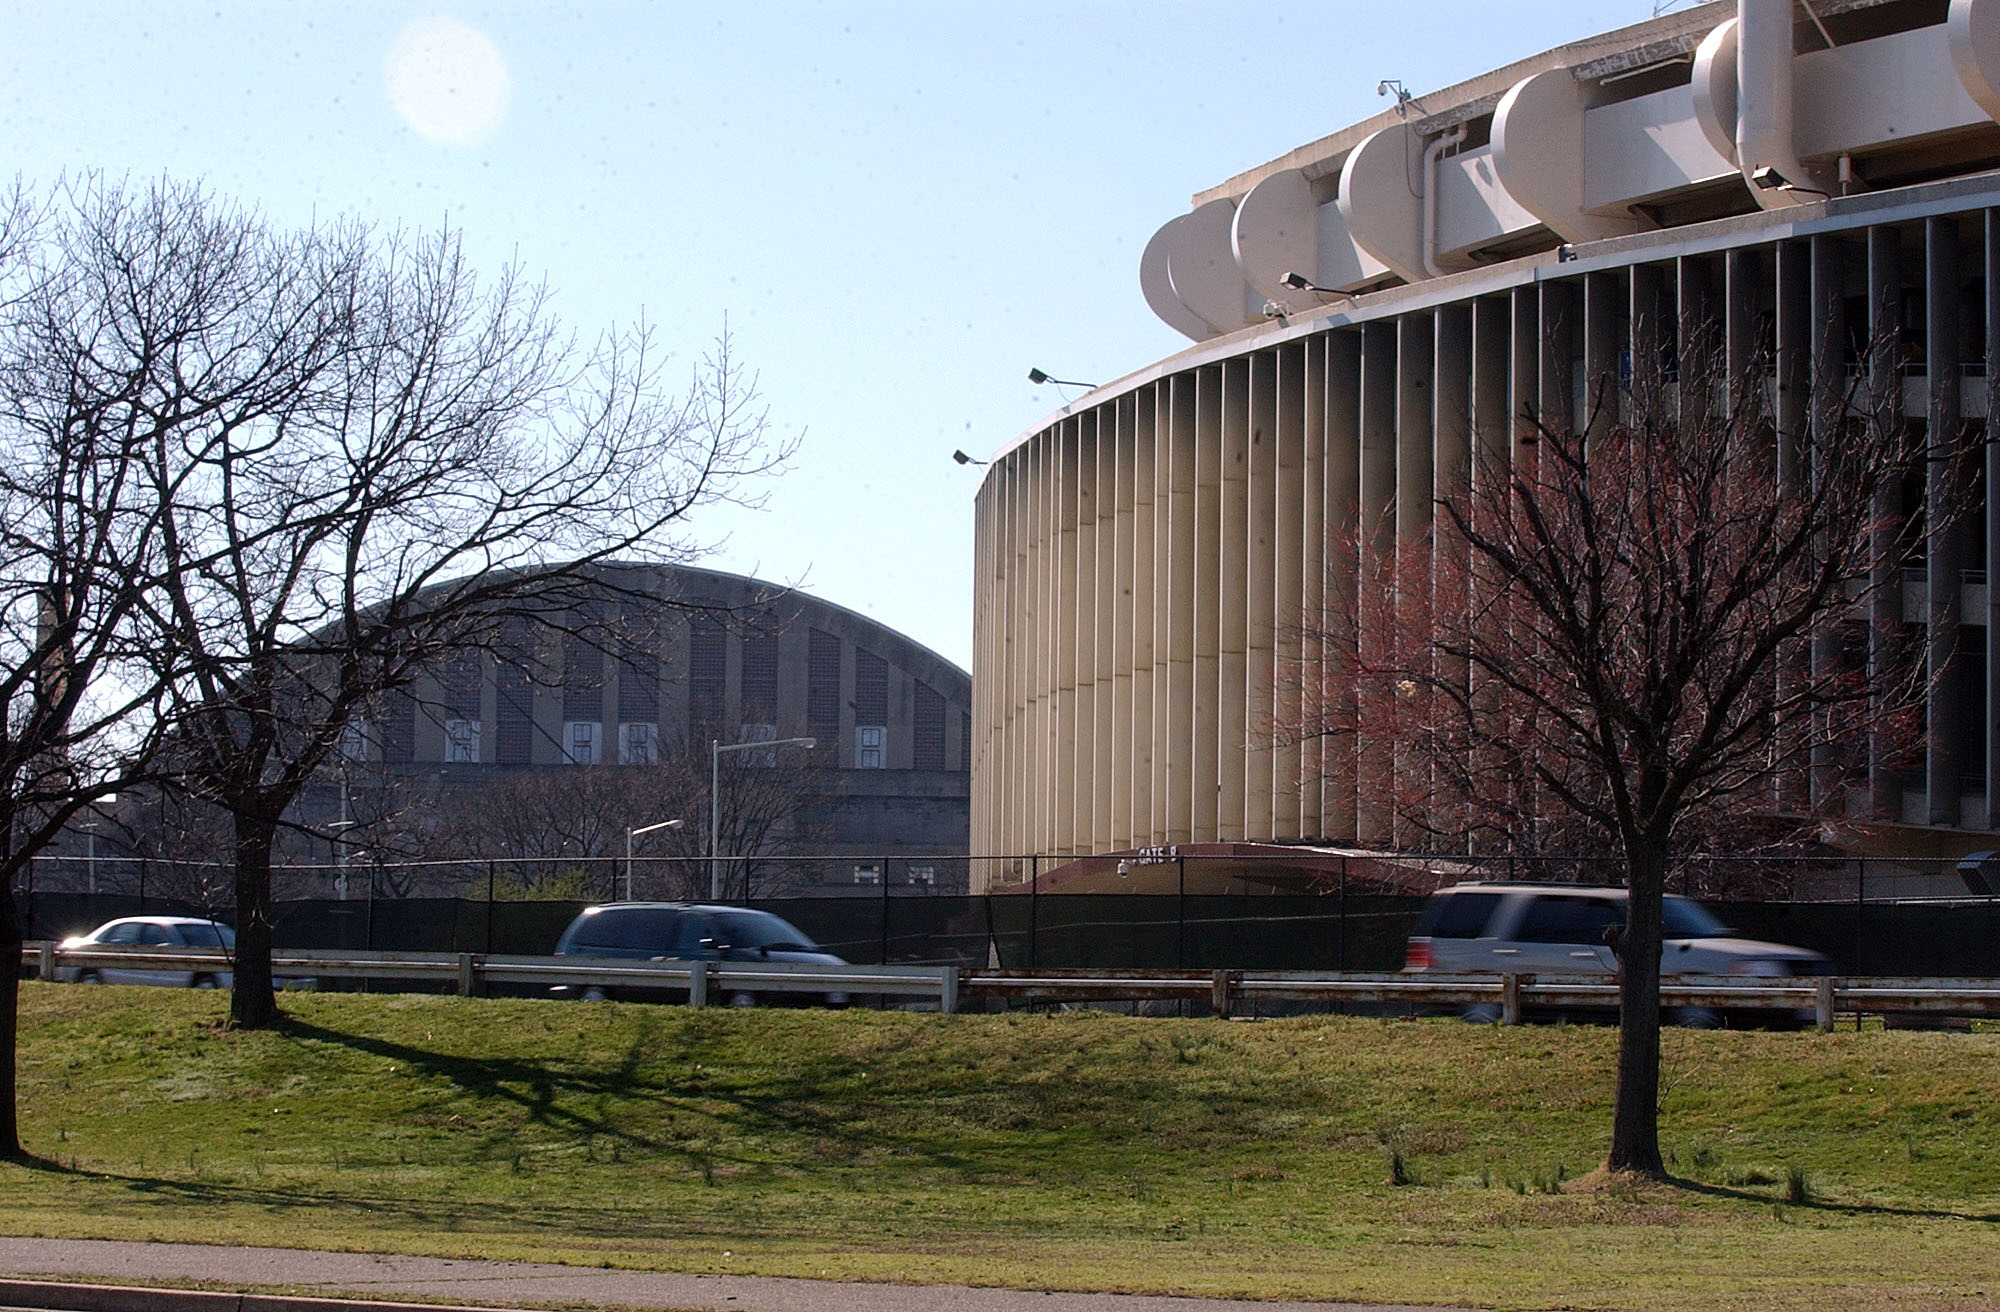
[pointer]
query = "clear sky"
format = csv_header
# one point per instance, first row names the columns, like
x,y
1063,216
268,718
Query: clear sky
x,y
899,207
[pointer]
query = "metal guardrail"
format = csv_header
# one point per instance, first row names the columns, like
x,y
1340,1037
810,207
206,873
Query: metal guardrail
x,y
1510,995
469,972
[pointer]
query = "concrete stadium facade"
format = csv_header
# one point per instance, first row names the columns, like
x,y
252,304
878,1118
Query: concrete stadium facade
x,y
1801,179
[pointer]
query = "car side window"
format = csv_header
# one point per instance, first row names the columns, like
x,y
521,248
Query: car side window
x,y
693,932
1461,915
123,934
1559,919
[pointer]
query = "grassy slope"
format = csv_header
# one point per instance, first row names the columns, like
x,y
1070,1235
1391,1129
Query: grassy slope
x,y
1080,1151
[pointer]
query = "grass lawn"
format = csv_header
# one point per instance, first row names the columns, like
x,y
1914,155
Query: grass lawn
x,y
1080,1151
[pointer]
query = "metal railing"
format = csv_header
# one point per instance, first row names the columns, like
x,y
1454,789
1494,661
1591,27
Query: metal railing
x,y
1511,996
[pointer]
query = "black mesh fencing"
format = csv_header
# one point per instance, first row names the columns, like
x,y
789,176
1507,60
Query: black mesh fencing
x,y
1874,917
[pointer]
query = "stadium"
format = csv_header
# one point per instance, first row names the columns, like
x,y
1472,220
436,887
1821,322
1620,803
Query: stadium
x,y
1372,309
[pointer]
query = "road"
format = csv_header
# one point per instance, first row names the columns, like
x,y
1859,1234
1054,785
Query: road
x,y
361,1281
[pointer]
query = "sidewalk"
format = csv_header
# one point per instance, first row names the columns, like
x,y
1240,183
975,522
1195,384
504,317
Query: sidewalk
x,y
388,1278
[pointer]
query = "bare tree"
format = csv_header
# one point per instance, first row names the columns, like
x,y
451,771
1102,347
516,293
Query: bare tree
x,y
358,457
555,812
1631,631
77,551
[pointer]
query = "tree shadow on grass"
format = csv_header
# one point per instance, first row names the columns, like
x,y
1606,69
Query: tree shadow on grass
x,y
1823,1205
554,1095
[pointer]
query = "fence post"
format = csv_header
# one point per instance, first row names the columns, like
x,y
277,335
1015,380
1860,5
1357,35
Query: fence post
x,y
1218,994
489,904
1034,909
948,991
887,866
465,974
1861,915
1180,929
46,968
1340,956
698,984
1823,1003
1510,999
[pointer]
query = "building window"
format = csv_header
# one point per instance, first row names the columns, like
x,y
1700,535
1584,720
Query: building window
x,y
823,693
928,750
923,876
868,874
361,741
461,741
638,743
759,733
868,741
760,677
583,741
708,656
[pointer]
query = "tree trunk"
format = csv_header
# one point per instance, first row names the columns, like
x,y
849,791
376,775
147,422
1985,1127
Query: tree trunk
x,y
10,1022
1635,1117
253,1002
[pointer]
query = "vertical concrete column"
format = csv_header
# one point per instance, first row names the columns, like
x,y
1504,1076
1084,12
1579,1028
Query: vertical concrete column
x,y
1699,347
1451,465
1147,521
1104,615
1211,525
1650,335
1259,598
1790,403
1885,403
1524,373
1118,723
1312,575
1339,803
1173,626
1603,316
1826,417
1944,737
982,667
1028,762
1285,667
1058,477
1077,518
1416,484
1229,574
1989,729
1375,762
1557,331
1493,431
1743,281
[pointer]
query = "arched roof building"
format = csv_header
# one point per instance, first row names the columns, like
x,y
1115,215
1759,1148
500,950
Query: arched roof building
x,y
1374,307
666,660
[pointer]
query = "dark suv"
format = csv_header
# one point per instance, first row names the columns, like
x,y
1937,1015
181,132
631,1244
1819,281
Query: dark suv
x,y
687,931
1560,929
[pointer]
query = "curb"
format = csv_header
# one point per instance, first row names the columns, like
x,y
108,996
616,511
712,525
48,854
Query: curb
x,y
61,1296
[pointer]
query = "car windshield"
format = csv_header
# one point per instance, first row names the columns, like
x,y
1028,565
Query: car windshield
x,y
1685,919
761,929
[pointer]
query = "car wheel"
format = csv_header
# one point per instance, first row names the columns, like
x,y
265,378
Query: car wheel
x,y
203,982
90,977
742,999
1696,1018
594,994
1480,1013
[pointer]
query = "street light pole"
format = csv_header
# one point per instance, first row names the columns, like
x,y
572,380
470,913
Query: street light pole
x,y
715,751
631,834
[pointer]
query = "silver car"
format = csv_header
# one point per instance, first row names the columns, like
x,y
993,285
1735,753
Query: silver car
x,y
1560,929
153,934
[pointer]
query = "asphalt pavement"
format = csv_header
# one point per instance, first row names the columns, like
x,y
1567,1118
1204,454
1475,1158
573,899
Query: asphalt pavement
x,y
89,1275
